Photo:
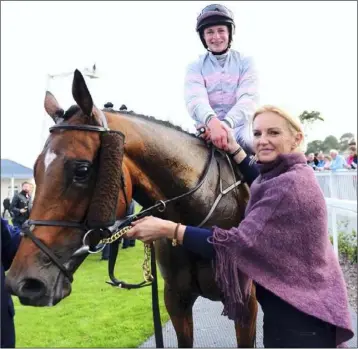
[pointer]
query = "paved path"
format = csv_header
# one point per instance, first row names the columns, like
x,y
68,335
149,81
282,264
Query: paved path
x,y
211,330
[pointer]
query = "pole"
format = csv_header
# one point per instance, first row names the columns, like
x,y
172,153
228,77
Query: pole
x,y
12,187
49,77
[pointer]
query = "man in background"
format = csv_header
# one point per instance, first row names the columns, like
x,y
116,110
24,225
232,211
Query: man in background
x,y
21,205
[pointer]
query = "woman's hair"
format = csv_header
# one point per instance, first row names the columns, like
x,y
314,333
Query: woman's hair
x,y
328,157
293,123
353,148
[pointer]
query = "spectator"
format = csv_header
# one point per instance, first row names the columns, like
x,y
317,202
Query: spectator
x,y
6,203
338,161
21,205
310,160
127,242
10,240
352,158
327,162
320,161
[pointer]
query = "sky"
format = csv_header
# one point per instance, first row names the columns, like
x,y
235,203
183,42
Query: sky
x,y
305,53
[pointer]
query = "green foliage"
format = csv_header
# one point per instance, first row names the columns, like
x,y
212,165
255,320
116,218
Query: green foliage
x,y
344,141
314,146
330,142
310,117
347,245
95,314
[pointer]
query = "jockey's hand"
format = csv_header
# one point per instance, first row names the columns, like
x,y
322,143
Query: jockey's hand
x,y
218,134
206,134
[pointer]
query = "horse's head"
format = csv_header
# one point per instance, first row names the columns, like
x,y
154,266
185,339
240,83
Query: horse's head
x,y
79,192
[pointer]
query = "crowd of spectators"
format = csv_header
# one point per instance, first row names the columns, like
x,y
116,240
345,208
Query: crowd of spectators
x,y
334,160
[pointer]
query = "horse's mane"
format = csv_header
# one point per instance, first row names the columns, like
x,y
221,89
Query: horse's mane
x,y
71,111
150,118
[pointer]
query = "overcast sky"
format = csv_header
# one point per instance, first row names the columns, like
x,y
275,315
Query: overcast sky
x,y
305,52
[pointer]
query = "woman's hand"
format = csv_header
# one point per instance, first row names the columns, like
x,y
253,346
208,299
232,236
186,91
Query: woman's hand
x,y
232,144
149,229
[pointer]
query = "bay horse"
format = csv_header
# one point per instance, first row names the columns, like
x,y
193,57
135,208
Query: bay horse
x,y
158,161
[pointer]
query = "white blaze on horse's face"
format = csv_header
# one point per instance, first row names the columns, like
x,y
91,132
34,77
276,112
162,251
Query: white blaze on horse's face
x,y
49,157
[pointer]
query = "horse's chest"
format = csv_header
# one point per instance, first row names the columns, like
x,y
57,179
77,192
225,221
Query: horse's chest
x,y
203,279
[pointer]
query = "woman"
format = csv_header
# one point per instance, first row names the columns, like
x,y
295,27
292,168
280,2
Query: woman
x,y
327,162
282,244
352,158
221,86
10,240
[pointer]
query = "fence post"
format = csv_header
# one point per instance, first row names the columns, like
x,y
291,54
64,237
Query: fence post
x,y
332,187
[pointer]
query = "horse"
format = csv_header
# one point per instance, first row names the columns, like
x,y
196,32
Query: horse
x,y
157,161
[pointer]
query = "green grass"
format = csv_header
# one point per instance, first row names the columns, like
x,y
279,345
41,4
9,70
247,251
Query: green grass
x,y
95,314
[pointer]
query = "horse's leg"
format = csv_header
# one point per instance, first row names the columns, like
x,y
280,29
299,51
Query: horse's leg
x,y
246,336
180,310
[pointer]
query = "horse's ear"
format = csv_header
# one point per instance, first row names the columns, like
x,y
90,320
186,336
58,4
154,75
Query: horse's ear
x,y
81,94
52,107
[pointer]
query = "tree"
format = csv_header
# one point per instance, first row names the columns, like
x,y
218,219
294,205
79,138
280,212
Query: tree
x,y
309,118
330,142
344,141
314,146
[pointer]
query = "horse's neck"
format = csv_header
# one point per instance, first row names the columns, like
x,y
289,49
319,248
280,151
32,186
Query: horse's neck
x,y
170,161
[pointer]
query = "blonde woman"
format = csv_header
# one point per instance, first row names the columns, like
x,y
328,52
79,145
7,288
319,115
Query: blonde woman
x,y
282,243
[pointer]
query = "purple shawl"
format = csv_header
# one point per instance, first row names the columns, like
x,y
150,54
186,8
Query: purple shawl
x,y
283,245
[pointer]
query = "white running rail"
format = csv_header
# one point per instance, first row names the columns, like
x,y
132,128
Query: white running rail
x,y
340,184
342,215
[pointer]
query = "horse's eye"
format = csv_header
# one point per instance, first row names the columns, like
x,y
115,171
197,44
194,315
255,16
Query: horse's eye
x,y
81,172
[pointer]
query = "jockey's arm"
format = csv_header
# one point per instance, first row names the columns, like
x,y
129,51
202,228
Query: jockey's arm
x,y
196,95
247,96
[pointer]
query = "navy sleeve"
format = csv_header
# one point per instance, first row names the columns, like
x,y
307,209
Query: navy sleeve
x,y
250,172
196,240
10,240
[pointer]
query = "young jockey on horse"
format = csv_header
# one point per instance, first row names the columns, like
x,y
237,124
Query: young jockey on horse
x,y
221,86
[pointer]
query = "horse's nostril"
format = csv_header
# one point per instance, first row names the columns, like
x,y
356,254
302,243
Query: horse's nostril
x,y
32,288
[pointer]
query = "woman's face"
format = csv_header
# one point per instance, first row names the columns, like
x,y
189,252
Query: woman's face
x,y
272,137
217,37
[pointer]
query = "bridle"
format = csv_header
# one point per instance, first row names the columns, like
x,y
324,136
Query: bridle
x,y
30,224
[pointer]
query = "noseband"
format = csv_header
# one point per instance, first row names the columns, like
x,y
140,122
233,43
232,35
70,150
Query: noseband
x,y
30,225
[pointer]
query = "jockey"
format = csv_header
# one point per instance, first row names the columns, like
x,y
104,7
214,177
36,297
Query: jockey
x,y
221,86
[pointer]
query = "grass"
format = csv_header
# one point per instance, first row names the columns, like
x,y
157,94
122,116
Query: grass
x,y
95,314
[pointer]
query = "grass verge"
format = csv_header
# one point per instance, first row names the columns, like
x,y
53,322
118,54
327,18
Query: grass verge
x,y
95,314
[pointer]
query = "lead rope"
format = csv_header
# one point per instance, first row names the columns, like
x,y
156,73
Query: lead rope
x,y
147,275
